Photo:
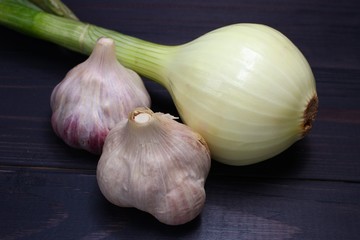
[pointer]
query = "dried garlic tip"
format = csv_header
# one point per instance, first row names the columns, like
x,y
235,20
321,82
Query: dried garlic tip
x,y
93,97
156,164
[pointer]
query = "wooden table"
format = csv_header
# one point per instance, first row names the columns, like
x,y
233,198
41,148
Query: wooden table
x,y
311,191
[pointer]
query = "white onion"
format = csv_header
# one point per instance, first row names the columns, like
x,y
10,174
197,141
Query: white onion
x,y
245,88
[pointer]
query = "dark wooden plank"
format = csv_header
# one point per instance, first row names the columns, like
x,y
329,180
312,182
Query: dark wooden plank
x,y
310,191
43,204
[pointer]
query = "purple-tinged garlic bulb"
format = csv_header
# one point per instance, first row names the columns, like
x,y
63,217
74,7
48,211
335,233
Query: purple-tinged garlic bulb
x,y
155,164
94,96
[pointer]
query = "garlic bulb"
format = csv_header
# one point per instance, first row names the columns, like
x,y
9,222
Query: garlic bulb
x,y
155,164
93,97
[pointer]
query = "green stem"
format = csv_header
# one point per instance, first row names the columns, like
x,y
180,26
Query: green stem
x,y
56,7
146,58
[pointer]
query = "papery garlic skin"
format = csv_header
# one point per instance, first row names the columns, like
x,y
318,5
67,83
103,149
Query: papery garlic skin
x,y
93,97
246,88
155,164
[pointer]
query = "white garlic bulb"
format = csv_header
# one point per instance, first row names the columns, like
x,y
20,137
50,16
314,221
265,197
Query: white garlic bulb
x,y
155,164
94,96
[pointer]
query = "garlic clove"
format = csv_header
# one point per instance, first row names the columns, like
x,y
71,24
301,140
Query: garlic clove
x,y
155,164
94,96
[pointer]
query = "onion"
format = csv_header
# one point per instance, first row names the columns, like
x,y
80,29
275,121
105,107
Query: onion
x,y
246,88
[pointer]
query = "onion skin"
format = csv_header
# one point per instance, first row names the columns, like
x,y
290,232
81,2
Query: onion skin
x,y
247,89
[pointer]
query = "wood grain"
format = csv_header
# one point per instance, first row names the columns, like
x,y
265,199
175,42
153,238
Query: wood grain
x,y
42,202
310,191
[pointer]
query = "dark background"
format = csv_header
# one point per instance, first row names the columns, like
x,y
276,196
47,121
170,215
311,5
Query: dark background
x,y
311,191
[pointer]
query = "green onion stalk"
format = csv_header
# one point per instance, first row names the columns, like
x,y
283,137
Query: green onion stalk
x,y
81,37
246,88
56,7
